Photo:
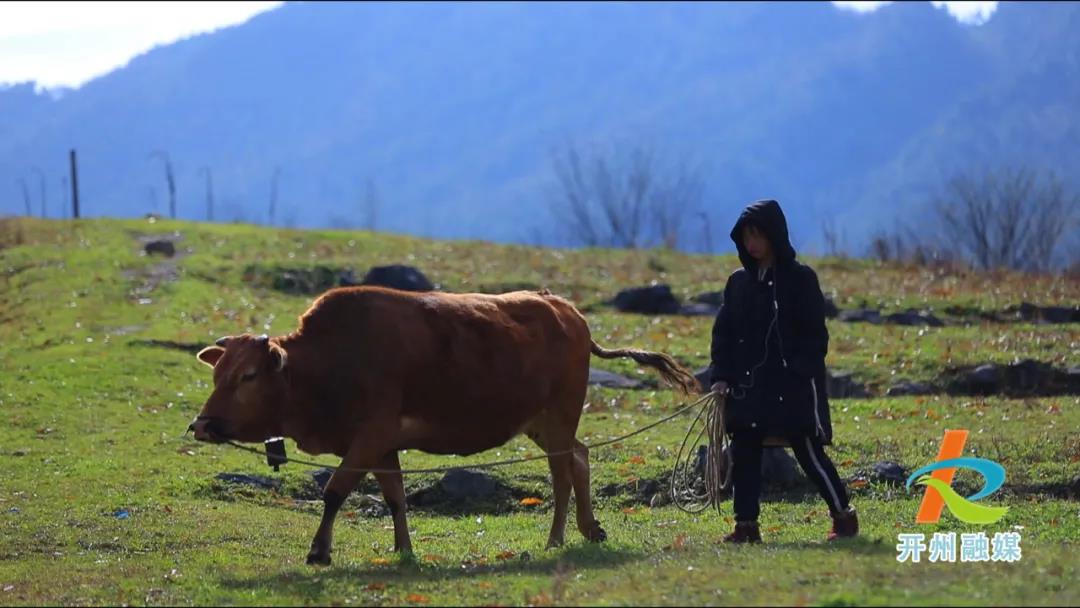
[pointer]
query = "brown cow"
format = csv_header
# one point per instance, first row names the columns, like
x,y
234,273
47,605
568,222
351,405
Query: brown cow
x,y
372,371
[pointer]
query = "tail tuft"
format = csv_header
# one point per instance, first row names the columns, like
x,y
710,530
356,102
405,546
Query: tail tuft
x,y
672,373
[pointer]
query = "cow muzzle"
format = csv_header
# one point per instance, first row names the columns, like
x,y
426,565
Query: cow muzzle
x,y
205,430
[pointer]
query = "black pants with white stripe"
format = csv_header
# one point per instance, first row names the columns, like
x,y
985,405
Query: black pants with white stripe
x,y
746,449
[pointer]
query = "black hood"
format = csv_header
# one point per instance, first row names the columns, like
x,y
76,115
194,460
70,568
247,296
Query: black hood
x,y
768,217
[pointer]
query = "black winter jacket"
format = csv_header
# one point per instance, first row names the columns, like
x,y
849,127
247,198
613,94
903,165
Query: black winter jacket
x,y
769,339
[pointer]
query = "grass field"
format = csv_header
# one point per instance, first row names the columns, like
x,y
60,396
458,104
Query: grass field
x,y
103,500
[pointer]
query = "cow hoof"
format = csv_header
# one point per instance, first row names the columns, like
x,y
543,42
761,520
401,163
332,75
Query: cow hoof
x,y
554,543
596,534
316,558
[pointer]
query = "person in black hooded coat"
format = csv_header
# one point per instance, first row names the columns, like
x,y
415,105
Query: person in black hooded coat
x,y
769,343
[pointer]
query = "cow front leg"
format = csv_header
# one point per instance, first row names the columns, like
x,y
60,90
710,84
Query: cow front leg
x,y
365,452
337,489
393,490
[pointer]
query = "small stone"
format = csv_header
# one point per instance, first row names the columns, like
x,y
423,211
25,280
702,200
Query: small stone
x,y
889,472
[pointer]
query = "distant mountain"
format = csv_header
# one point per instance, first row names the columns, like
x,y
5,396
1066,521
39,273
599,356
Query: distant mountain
x,y
452,111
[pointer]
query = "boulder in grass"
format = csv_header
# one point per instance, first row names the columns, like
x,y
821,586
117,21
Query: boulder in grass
x,y
1046,314
983,380
257,481
831,311
612,380
1021,379
909,388
842,385
465,484
160,247
716,298
321,477
651,300
889,472
779,469
860,315
914,317
398,276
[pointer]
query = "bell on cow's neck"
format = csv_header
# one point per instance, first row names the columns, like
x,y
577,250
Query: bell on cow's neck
x,y
275,452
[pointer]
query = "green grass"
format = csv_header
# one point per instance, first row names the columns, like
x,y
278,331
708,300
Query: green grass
x,y
94,417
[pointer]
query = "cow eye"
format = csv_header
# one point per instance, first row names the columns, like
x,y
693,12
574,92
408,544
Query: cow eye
x,y
247,376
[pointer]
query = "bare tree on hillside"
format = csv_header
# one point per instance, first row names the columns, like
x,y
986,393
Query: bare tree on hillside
x,y
169,179
371,205
1007,219
606,201
833,238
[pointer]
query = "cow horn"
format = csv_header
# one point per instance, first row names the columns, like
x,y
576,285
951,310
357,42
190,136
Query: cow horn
x,y
223,340
263,338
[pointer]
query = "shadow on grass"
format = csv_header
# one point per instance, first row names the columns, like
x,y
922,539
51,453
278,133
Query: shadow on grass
x,y
187,347
403,570
859,545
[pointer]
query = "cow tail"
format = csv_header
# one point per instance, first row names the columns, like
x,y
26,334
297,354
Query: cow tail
x,y
672,373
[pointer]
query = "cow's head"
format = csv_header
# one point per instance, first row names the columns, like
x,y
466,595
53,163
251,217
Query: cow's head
x,y
249,388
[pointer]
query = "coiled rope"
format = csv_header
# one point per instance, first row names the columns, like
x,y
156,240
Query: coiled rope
x,y
717,469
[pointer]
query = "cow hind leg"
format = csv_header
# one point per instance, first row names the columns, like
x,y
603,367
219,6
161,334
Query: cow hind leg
x,y
561,477
586,522
393,489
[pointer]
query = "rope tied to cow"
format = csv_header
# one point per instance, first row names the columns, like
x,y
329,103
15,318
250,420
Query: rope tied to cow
x,y
717,473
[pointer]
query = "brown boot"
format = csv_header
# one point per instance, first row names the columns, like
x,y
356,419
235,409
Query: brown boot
x,y
745,532
845,524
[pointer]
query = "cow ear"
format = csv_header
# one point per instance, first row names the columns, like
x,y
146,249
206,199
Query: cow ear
x,y
210,355
278,357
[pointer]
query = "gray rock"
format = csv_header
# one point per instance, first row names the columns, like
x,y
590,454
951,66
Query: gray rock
x,y
716,298
652,300
257,481
841,385
831,310
646,488
462,483
860,315
1045,314
397,276
659,499
779,468
1021,379
889,472
608,379
700,460
909,388
321,477
162,247
914,317
985,378
1060,314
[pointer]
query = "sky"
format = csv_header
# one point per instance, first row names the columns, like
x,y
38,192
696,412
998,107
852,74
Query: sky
x,y
66,44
